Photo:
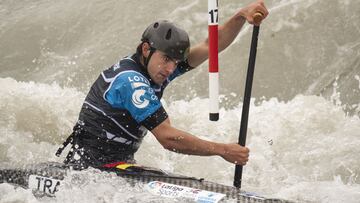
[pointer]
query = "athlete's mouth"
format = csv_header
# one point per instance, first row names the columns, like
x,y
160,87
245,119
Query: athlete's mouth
x,y
163,75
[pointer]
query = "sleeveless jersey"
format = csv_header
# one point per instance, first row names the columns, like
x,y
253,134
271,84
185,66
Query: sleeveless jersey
x,y
122,104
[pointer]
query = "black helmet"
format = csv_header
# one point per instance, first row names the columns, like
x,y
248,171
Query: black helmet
x,y
166,37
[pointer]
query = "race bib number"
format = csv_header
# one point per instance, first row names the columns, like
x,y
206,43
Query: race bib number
x,y
44,184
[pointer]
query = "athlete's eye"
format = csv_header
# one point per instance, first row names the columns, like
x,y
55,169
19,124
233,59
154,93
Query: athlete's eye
x,y
166,59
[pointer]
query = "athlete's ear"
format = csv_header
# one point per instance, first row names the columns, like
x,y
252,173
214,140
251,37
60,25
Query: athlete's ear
x,y
145,49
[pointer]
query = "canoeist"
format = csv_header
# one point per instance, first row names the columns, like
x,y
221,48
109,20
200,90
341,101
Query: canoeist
x,y
124,101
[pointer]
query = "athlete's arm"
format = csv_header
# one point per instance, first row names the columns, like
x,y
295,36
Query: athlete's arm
x,y
182,142
227,32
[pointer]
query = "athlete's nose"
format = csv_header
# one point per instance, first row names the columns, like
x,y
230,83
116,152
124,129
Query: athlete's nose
x,y
170,67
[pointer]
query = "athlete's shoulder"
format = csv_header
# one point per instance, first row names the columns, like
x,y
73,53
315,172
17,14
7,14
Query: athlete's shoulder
x,y
133,77
125,64
128,62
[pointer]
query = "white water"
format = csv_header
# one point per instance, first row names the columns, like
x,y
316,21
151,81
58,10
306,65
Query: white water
x,y
304,149
304,146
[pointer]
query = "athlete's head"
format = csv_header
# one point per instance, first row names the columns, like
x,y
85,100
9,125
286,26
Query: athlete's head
x,y
163,46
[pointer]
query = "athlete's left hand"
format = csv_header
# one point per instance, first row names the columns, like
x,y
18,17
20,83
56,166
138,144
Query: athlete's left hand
x,y
234,153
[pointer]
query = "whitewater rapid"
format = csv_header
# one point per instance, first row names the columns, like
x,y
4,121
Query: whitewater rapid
x,y
304,126
305,149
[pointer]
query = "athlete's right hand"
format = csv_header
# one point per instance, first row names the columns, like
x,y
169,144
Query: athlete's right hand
x,y
249,11
236,154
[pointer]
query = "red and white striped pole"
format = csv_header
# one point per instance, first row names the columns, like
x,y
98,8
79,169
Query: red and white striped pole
x,y
213,60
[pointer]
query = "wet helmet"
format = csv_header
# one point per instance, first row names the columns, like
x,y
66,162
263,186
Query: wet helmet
x,y
166,37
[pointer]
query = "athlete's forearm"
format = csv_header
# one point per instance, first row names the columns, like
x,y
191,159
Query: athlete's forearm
x,y
183,142
227,34
229,31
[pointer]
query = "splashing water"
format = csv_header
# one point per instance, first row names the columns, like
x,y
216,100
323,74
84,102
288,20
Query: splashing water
x,y
304,118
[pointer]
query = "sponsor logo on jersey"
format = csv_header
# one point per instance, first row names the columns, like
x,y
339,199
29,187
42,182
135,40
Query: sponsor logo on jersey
x,y
141,85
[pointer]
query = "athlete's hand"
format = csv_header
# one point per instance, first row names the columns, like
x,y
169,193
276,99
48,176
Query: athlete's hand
x,y
249,11
236,154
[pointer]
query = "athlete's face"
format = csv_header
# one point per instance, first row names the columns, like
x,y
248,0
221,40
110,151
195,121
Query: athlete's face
x,y
160,66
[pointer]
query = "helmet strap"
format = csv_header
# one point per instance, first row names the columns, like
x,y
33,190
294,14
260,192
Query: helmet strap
x,y
147,59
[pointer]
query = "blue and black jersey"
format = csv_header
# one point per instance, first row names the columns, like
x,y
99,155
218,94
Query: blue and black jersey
x,y
120,107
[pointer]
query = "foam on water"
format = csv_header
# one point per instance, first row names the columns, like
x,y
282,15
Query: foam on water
x,y
304,149
34,119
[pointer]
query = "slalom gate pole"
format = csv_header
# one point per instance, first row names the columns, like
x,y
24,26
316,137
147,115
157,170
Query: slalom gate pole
x,y
213,20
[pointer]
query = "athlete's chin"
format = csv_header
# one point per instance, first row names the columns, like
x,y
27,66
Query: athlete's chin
x,y
160,80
